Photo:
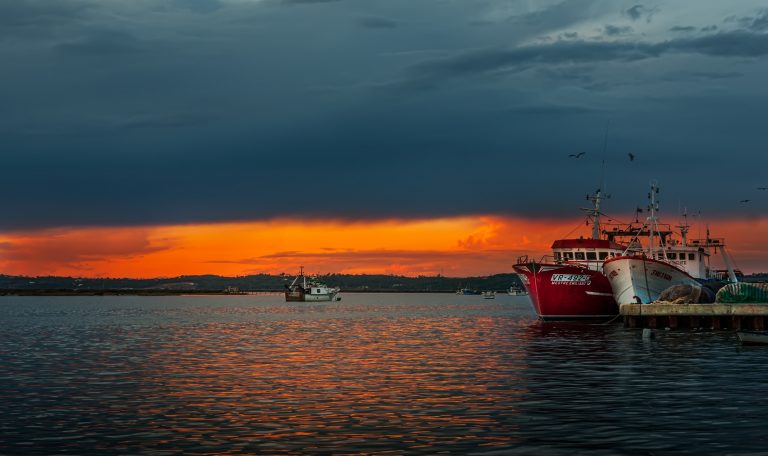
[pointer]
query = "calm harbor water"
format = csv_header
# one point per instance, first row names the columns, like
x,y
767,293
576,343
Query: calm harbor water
x,y
374,373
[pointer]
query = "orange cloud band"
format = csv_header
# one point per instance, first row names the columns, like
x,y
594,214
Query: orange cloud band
x,y
460,246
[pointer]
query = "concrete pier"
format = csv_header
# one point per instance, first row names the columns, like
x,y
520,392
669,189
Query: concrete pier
x,y
695,316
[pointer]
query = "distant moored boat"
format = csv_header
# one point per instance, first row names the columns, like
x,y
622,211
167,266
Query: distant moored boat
x,y
516,291
468,291
303,290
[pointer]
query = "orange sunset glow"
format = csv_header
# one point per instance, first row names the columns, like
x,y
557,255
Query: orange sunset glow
x,y
462,246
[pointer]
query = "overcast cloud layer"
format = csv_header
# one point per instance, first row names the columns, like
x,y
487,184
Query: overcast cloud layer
x,y
183,111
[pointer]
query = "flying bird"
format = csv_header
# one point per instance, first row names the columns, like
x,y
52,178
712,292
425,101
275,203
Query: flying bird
x,y
762,188
577,155
631,156
745,201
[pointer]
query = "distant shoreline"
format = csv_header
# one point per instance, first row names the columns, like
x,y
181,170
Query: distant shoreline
x,y
45,292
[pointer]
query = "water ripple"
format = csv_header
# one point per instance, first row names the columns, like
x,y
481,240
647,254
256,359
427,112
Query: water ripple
x,y
374,374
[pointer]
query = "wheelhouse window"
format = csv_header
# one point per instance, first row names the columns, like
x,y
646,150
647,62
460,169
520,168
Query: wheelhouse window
x,y
672,255
558,256
568,255
602,255
591,255
579,255
691,256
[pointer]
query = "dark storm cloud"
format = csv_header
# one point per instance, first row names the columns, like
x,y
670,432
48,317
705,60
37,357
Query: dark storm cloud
x,y
726,44
635,12
377,22
35,20
550,110
582,73
717,75
169,120
733,44
616,30
757,23
638,12
557,15
164,111
297,2
490,60
685,29
693,76
18,13
107,43
199,6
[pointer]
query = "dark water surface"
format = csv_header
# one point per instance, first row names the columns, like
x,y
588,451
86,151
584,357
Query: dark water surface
x,y
374,373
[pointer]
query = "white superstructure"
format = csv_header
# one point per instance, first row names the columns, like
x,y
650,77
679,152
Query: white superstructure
x,y
642,276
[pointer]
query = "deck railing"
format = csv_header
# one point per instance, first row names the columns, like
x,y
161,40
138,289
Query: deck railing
x,y
711,242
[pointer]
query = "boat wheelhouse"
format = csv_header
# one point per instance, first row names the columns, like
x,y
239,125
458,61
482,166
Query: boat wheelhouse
x,y
590,253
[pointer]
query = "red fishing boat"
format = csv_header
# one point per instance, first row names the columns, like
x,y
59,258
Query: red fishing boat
x,y
570,283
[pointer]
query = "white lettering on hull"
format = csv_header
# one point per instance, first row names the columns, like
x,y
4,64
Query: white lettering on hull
x,y
571,279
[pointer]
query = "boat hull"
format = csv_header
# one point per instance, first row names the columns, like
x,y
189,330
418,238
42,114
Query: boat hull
x,y
752,337
640,278
298,296
468,292
567,292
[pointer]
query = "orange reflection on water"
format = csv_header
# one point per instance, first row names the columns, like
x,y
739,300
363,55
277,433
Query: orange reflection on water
x,y
355,385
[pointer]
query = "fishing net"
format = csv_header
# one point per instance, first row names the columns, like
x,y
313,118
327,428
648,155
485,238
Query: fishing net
x,y
735,293
687,294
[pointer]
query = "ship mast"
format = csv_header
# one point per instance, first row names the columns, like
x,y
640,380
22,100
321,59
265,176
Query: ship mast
x,y
726,258
684,228
653,222
594,211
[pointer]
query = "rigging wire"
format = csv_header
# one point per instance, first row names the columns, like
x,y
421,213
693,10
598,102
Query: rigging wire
x,y
571,232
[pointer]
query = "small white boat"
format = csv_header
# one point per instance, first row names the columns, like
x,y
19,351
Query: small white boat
x,y
516,291
468,291
489,295
303,290
752,337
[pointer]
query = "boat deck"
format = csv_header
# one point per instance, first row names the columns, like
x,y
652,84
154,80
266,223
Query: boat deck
x,y
695,316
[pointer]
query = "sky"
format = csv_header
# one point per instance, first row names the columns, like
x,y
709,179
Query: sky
x,y
147,138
